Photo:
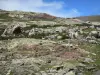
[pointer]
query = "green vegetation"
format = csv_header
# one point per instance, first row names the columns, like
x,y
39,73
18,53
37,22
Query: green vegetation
x,y
93,48
89,30
5,17
45,26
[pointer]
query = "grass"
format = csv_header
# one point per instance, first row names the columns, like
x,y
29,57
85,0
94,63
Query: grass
x,y
5,17
93,48
89,30
45,26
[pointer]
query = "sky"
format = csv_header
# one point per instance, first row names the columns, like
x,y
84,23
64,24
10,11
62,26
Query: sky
x,y
59,8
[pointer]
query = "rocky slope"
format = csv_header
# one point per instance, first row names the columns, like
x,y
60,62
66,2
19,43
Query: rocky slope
x,y
40,44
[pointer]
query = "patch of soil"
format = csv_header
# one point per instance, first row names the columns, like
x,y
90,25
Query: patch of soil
x,y
71,55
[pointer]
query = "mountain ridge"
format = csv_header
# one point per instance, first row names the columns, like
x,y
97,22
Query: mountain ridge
x,y
92,18
39,15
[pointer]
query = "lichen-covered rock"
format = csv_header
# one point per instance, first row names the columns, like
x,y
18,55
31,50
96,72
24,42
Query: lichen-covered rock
x,y
13,29
70,73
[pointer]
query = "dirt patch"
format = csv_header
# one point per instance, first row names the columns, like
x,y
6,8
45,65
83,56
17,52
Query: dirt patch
x,y
71,55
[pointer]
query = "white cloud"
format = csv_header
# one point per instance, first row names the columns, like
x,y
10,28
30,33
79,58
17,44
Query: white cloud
x,y
41,3
53,8
19,4
9,4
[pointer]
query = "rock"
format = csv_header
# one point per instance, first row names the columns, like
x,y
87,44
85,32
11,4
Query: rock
x,y
73,34
81,65
61,72
93,54
59,37
52,37
18,56
90,68
9,72
43,73
80,74
59,67
88,22
37,74
88,60
3,57
70,73
51,70
97,73
2,50
48,61
95,34
51,74
93,41
31,32
2,63
13,29
60,29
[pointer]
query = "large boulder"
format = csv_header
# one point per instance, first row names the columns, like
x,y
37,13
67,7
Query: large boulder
x,y
73,35
31,32
14,28
96,34
35,31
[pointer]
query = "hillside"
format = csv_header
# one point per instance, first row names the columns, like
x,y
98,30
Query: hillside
x,y
34,43
95,18
21,15
34,16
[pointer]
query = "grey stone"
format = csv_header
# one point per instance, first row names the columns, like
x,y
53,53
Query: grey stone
x,y
88,60
43,73
70,73
97,73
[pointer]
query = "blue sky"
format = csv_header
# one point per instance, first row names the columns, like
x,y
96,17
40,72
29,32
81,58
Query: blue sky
x,y
60,8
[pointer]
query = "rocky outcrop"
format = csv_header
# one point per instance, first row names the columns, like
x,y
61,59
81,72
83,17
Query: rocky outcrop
x,y
96,34
13,29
